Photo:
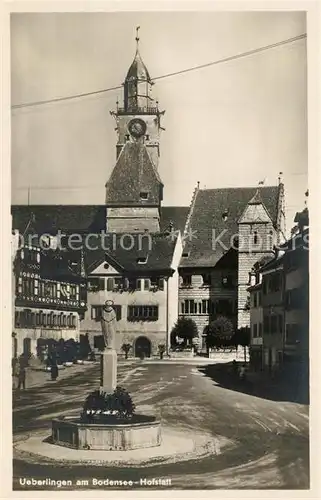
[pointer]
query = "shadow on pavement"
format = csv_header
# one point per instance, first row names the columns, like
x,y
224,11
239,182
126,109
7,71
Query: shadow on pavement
x,y
294,389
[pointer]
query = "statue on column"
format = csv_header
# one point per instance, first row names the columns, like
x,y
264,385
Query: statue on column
x,y
108,325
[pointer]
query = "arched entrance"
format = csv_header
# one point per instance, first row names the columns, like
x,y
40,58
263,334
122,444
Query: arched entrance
x,y
142,347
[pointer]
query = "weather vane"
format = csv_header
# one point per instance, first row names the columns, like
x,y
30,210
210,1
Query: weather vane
x,y
137,37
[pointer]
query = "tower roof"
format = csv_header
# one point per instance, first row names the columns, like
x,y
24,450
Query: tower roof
x,y
138,70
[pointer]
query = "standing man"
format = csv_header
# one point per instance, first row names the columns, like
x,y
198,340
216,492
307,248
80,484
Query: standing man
x,y
22,375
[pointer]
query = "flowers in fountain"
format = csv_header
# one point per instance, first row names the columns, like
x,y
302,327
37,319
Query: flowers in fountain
x,y
103,406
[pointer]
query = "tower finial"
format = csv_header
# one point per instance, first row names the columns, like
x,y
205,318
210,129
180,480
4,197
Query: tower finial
x,y
137,37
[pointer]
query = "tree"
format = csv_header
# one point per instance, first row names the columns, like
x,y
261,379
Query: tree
x,y
242,337
220,333
186,329
126,348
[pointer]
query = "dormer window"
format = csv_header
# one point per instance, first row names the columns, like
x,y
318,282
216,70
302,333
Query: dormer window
x,y
225,215
142,260
143,195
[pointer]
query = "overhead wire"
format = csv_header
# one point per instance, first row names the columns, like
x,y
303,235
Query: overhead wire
x,y
168,75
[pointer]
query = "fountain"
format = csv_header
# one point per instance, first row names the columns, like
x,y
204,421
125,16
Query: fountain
x,y
108,420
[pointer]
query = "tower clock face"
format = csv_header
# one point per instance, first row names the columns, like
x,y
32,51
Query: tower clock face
x,y
137,127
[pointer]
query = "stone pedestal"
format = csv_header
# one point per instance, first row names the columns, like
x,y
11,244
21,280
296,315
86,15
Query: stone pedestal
x,y
108,370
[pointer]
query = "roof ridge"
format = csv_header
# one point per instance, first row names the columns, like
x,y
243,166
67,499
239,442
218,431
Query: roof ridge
x,y
238,187
192,205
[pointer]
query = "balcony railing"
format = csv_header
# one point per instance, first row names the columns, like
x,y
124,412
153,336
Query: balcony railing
x,y
138,110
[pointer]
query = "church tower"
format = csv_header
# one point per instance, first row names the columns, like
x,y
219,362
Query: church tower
x,y
134,190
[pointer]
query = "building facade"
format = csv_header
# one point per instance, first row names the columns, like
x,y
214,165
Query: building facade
x,y
227,231
49,297
280,301
143,286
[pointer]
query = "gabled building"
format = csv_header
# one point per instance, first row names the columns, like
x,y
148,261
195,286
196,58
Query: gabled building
x,y
227,231
49,290
142,283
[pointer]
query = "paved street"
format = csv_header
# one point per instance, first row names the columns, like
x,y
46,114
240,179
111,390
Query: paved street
x,y
269,437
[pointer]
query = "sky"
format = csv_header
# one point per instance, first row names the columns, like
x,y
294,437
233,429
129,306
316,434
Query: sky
x,y
231,124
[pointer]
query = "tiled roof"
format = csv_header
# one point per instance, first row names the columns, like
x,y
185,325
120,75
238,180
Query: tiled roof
x,y
125,252
70,218
82,217
134,173
176,215
207,222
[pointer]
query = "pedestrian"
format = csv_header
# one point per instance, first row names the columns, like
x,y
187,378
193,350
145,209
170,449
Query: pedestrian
x,y
242,372
54,371
22,377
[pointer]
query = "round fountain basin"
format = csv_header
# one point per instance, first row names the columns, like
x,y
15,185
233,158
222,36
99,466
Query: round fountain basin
x,y
142,431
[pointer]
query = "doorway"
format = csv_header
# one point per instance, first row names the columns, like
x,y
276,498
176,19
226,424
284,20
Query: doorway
x,y
142,347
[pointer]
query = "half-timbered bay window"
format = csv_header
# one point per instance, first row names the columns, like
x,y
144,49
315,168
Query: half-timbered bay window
x,y
28,286
96,312
142,313
73,292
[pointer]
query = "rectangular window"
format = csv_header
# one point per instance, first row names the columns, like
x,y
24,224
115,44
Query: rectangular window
x,y
280,318
28,286
143,195
207,279
205,306
142,313
96,284
139,284
157,284
73,292
110,282
17,319
254,299
259,296
255,330
260,329
146,284
142,260
227,282
266,324
186,280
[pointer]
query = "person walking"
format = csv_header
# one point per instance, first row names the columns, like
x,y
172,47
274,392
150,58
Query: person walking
x,y
22,377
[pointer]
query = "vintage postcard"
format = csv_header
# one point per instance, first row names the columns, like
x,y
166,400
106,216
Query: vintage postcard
x,y
159,251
